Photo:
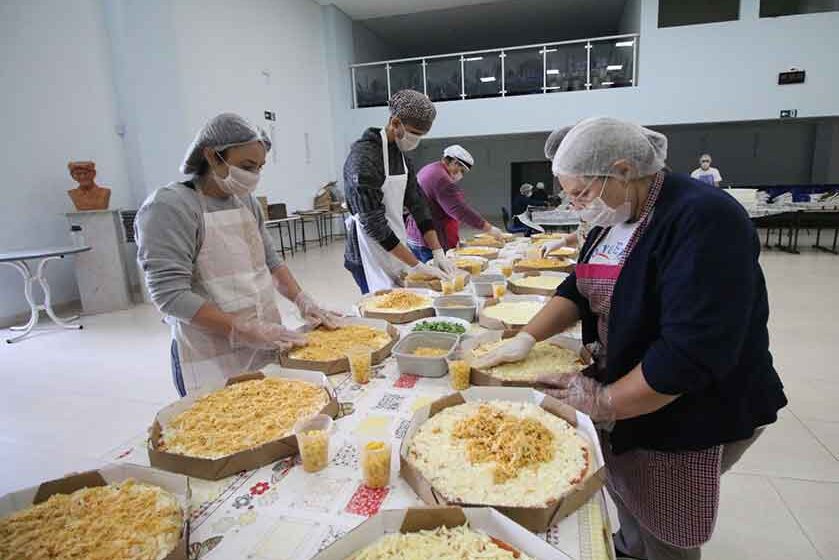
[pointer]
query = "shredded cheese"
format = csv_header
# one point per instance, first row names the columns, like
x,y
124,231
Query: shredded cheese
x,y
544,358
398,300
429,352
542,264
458,543
444,459
128,520
323,345
241,416
513,312
540,282
477,251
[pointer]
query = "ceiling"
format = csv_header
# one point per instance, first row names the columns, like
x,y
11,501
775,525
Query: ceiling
x,y
492,25
364,9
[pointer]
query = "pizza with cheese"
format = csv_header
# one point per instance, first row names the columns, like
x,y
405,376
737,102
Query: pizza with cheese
x,y
542,264
323,345
396,301
539,282
544,358
513,312
442,543
486,252
127,520
499,453
241,416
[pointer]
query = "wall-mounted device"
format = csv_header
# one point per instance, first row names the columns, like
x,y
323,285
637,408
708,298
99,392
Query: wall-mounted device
x,y
792,76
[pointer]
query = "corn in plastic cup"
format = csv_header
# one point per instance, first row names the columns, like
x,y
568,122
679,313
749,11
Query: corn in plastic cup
x,y
499,289
361,362
459,374
313,441
507,269
459,282
375,463
448,286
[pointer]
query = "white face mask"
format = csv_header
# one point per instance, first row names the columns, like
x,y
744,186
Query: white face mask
x,y
238,182
598,213
458,175
408,142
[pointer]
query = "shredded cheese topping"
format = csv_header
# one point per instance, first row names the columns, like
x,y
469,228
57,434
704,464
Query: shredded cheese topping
x,y
323,345
541,264
129,521
512,443
477,251
241,416
563,252
398,300
544,358
513,312
540,282
429,352
500,478
458,543
419,277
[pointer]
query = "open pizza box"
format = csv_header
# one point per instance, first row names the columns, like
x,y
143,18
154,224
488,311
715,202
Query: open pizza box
x,y
494,324
342,364
397,317
176,485
215,469
483,242
477,264
490,253
485,379
411,520
560,265
525,290
536,519
433,284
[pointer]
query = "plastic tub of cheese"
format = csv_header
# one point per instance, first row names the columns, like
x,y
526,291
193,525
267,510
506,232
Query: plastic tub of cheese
x,y
425,353
462,307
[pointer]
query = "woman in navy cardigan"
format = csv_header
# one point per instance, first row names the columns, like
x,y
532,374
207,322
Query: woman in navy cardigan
x,y
673,304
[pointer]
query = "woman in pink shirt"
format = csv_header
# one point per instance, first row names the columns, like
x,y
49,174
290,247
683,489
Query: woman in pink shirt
x,y
438,182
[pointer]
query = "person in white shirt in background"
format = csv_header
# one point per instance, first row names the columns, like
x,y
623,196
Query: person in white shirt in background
x,y
706,173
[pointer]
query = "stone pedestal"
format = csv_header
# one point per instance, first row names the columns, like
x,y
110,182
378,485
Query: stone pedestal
x,y
101,273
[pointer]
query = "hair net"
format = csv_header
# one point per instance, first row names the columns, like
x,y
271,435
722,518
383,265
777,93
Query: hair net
x,y
526,189
221,132
554,139
459,153
413,108
594,145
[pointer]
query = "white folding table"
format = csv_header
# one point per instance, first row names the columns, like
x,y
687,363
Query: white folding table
x,y
19,260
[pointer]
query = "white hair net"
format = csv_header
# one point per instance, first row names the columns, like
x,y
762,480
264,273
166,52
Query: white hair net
x,y
554,140
221,132
594,145
526,189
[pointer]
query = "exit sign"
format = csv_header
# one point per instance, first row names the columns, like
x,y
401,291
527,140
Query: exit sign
x,y
791,77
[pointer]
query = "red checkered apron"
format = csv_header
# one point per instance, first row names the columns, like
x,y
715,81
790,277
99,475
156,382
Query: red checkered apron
x,y
673,495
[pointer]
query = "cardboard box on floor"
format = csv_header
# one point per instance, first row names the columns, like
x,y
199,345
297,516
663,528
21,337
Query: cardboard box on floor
x,y
536,519
215,469
485,379
398,317
484,520
342,364
107,474
528,291
492,323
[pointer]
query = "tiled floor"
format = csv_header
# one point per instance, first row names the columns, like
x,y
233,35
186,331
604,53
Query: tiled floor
x,y
69,397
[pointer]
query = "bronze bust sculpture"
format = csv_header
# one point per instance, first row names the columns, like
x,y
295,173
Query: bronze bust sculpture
x,y
88,195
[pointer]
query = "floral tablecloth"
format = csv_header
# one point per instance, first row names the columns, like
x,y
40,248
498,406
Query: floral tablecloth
x,y
280,512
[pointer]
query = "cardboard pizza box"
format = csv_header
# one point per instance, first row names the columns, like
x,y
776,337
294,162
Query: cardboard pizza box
x,y
490,242
411,520
215,469
175,484
536,519
485,379
341,365
490,253
398,317
558,265
525,290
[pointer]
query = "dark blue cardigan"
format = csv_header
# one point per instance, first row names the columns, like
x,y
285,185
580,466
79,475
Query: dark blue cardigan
x,y
691,305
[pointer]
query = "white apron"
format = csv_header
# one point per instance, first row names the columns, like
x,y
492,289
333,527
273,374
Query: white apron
x,y
231,269
382,269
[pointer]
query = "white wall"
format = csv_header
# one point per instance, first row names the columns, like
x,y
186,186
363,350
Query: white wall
x,y
703,73
57,104
338,53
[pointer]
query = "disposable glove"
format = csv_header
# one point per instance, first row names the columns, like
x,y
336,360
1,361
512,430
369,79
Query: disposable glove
x,y
583,393
262,335
513,350
496,233
426,270
443,263
550,246
313,314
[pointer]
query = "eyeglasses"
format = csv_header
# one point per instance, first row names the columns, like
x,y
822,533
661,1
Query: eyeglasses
x,y
705,161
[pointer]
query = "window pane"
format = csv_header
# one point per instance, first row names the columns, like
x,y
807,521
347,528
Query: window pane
x,y
672,13
371,86
611,65
443,75
774,8
482,75
523,72
566,67
406,75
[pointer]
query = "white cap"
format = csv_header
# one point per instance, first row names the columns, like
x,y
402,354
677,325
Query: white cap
x,y
459,153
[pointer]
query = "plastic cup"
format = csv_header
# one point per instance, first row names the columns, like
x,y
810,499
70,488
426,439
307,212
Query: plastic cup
x,y
499,289
448,286
507,268
534,253
459,371
361,362
375,462
313,441
459,282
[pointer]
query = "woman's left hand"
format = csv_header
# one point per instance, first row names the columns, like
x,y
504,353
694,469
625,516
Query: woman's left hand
x,y
313,313
581,392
